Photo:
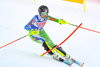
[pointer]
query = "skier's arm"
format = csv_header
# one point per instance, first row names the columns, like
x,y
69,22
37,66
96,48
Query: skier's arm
x,y
57,20
28,26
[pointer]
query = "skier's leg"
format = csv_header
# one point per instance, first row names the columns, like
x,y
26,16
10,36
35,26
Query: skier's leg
x,y
44,35
34,39
67,57
54,54
60,51
64,54
44,39
56,57
51,44
35,36
47,47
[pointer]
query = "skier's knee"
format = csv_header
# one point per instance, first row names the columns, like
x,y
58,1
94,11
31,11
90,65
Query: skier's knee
x,y
47,47
60,51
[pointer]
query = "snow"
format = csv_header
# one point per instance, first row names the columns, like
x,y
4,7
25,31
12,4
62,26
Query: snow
x,y
83,45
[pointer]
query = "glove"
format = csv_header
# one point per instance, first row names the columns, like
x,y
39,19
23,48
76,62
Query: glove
x,y
33,32
63,21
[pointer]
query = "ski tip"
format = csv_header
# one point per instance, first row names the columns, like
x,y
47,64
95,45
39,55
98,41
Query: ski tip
x,y
82,64
71,64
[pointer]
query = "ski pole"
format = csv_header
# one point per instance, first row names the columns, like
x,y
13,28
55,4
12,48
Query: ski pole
x,y
62,41
14,41
84,28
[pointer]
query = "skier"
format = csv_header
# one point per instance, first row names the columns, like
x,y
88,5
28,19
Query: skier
x,y
38,34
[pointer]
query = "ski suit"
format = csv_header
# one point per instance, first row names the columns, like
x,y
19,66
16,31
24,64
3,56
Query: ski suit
x,y
40,36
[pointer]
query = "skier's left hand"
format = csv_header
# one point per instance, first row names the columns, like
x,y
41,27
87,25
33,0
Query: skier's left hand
x,y
63,22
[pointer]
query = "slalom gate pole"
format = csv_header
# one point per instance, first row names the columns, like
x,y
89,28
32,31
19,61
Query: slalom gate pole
x,y
62,41
84,28
14,41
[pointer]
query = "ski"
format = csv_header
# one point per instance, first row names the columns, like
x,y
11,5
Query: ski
x,y
82,64
64,61
71,63
79,63
68,63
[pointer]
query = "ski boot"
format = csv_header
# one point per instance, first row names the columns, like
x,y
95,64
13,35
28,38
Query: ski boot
x,y
56,57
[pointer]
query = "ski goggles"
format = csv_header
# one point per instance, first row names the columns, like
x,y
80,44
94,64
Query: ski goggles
x,y
44,13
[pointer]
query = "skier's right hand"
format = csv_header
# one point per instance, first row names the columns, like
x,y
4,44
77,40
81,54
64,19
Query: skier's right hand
x,y
33,32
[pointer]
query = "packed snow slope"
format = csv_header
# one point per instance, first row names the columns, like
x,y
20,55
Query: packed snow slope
x,y
83,45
